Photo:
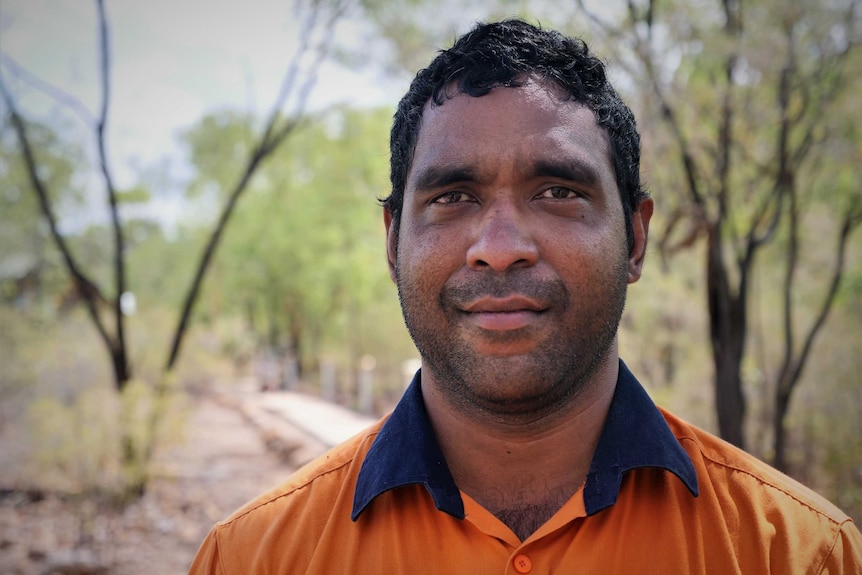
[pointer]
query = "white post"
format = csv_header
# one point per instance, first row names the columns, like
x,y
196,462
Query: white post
x,y
366,384
327,380
409,369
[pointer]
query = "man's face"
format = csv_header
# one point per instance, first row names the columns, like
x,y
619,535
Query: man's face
x,y
511,259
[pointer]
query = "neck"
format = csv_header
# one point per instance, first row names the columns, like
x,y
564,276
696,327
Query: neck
x,y
522,471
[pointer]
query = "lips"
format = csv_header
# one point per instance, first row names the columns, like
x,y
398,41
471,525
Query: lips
x,y
503,314
510,304
503,303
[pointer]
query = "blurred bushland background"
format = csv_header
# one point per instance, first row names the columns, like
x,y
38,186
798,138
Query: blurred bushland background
x,y
188,203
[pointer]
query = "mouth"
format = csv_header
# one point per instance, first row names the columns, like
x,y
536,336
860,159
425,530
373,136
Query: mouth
x,y
509,304
503,314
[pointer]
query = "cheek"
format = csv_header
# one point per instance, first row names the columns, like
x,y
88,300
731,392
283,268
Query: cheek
x,y
423,261
429,247
588,261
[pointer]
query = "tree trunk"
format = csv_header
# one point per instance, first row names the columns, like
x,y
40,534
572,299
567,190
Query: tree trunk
x,y
122,371
727,319
782,404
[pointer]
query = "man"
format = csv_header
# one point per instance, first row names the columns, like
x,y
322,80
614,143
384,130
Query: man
x,y
524,445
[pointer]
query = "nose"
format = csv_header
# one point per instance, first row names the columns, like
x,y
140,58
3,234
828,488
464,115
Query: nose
x,y
503,239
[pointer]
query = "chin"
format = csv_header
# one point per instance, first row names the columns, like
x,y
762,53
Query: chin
x,y
509,386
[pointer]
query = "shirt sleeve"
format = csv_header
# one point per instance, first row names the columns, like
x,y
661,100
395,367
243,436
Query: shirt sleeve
x,y
207,561
846,556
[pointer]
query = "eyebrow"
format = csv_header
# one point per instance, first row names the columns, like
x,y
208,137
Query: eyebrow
x,y
573,170
434,177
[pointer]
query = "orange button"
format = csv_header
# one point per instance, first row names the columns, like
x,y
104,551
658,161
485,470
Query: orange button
x,y
523,564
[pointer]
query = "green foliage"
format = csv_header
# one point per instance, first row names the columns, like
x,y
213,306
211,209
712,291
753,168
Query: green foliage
x,y
218,145
136,195
160,267
24,236
305,253
76,447
75,444
19,344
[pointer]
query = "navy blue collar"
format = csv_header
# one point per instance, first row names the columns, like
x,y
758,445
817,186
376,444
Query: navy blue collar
x,y
635,435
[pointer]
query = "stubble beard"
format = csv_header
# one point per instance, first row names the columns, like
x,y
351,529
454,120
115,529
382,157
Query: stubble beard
x,y
520,388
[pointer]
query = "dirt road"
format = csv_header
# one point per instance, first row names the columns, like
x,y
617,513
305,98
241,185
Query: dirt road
x,y
222,463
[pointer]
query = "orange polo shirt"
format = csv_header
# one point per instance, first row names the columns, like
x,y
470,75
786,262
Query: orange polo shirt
x,y
661,497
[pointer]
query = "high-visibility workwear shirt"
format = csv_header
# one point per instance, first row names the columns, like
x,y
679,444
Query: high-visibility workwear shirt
x,y
661,497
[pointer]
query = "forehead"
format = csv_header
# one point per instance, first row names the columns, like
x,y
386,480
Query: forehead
x,y
516,126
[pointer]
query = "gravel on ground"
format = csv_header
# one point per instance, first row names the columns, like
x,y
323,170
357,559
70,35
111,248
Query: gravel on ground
x,y
222,462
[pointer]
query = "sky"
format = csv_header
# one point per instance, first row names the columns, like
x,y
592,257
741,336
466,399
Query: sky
x,y
173,61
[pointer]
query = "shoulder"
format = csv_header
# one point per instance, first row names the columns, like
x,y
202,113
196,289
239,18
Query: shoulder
x,y
765,511
288,520
771,505
324,475
729,468
274,532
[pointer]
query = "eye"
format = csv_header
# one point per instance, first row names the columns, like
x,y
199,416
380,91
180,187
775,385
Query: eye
x,y
559,193
453,197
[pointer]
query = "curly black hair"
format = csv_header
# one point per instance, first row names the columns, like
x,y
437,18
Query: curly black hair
x,y
505,54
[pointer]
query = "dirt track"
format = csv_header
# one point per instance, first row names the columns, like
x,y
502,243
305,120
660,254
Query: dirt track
x,y
221,464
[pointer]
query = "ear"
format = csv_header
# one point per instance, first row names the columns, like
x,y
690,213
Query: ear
x,y
640,226
391,241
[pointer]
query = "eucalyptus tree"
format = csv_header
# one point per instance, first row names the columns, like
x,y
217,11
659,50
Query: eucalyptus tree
x,y
755,102
305,252
316,23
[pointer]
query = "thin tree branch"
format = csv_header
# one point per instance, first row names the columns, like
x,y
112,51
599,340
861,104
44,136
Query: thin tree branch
x,y
670,117
304,91
787,289
852,220
606,26
271,138
784,184
60,96
288,82
121,358
84,285
770,207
